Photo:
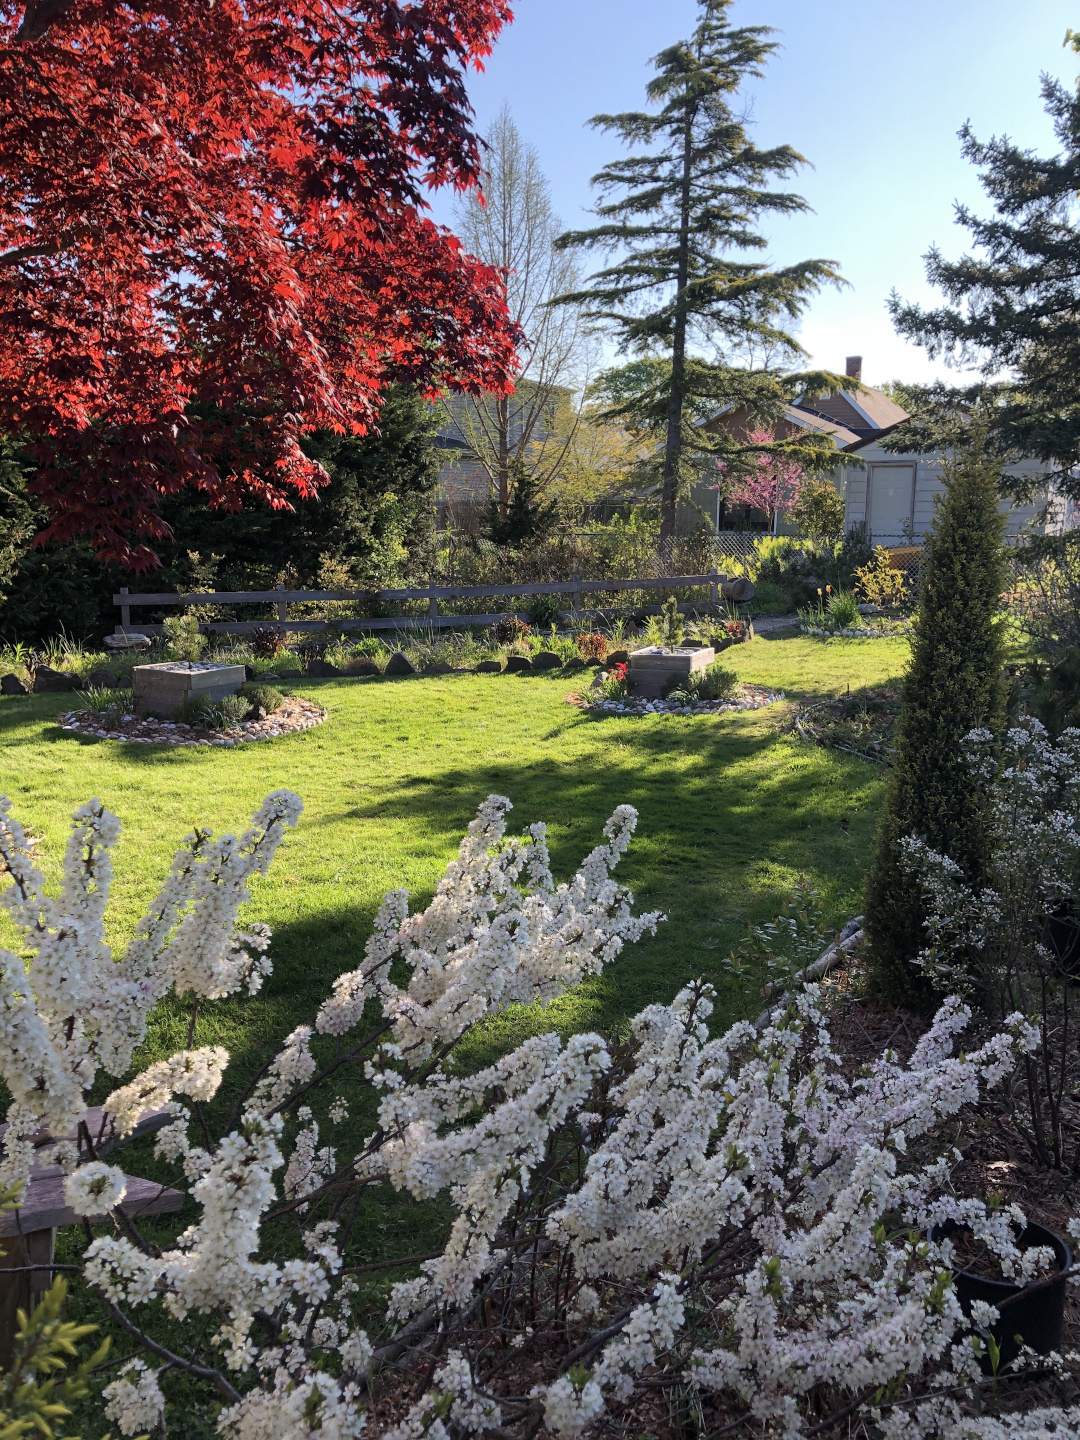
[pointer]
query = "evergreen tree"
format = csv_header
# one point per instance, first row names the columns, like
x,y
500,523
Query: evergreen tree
x,y
1012,307
375,515
954,684
526,516
679,217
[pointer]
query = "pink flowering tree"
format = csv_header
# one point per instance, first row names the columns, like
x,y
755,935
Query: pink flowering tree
x,y
774,483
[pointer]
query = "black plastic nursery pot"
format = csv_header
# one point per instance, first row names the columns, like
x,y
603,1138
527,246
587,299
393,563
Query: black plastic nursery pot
x,y
1031,1314
1063,939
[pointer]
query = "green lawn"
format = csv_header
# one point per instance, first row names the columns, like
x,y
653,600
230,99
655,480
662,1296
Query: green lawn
x,y
731,811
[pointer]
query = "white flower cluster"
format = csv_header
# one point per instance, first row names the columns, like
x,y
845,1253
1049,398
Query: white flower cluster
x,y
196,1073
137,1406
454,1397
95,1188
498,932
78,1008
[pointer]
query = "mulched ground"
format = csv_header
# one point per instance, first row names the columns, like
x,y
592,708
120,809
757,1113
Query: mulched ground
x,y
294,714
862,724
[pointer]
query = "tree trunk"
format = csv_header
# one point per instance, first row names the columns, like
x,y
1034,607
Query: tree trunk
x,y
677,394
502,414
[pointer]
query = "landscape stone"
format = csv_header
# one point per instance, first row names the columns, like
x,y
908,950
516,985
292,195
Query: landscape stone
x,y
546,660
518,662
12,685
618,657
249,672
399,664
574,663
439,668
489,667
290,674
322,670
101,678
364,667
51,682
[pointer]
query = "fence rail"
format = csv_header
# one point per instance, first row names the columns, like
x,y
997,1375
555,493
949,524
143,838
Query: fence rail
x,y
575,587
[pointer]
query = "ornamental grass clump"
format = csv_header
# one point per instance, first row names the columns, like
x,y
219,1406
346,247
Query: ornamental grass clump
x,y
109,705
715,682
730,1221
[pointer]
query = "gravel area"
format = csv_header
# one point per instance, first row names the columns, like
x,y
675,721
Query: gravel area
x,y
295,714
750,697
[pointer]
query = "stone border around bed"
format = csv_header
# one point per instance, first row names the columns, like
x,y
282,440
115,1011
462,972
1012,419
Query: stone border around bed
x,y
753,697
295,714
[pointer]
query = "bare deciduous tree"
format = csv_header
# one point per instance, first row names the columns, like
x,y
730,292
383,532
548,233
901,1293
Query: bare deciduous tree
x,y
514,228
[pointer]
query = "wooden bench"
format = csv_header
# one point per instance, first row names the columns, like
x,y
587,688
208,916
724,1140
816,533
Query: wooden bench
x,y
28,1233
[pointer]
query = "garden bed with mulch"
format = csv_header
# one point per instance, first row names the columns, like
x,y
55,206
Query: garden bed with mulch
x,y
863,723
293,715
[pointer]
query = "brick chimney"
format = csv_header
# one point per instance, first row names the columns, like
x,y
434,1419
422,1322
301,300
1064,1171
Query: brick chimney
x,y
853,367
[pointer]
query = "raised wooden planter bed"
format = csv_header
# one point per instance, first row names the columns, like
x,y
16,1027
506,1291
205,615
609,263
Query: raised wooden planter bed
x,y
652,667
163,689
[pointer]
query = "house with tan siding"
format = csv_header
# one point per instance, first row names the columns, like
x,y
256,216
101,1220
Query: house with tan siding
x,y
889,496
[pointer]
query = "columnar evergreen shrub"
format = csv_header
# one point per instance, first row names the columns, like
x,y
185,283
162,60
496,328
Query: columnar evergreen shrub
x,y
954,684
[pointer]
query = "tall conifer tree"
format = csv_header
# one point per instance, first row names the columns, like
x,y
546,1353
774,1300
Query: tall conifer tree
x,y
955,683
679,217
1013,306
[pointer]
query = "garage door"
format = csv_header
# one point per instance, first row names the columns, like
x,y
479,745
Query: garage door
x,y
892,498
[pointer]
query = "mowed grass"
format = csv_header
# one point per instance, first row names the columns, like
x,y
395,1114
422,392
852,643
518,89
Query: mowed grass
x,y
732,810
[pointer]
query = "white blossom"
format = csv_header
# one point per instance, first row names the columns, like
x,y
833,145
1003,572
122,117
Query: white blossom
x,y
137,1405
94,1188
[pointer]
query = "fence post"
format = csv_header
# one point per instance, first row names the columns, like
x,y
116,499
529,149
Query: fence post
x,y
575,597
714,588
125,610
433,607
281,607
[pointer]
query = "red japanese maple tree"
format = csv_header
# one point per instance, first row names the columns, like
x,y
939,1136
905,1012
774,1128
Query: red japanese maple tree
x,y
212,241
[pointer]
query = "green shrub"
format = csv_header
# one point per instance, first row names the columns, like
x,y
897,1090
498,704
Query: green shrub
x,y
955,683
265,697
715,682
544,611
208,714
183,638
226,713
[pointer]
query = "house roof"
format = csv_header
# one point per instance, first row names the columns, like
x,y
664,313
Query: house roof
x,y
852,418
865,414
805,419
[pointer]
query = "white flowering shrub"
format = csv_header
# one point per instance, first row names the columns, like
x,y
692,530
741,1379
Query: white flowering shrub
x,y
993,943
731,1223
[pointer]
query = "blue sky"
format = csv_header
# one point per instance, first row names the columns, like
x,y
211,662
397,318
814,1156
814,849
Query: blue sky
x,y
871,93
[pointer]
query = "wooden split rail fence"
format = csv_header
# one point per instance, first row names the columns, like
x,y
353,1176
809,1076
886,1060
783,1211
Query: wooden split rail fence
x,y
721,589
